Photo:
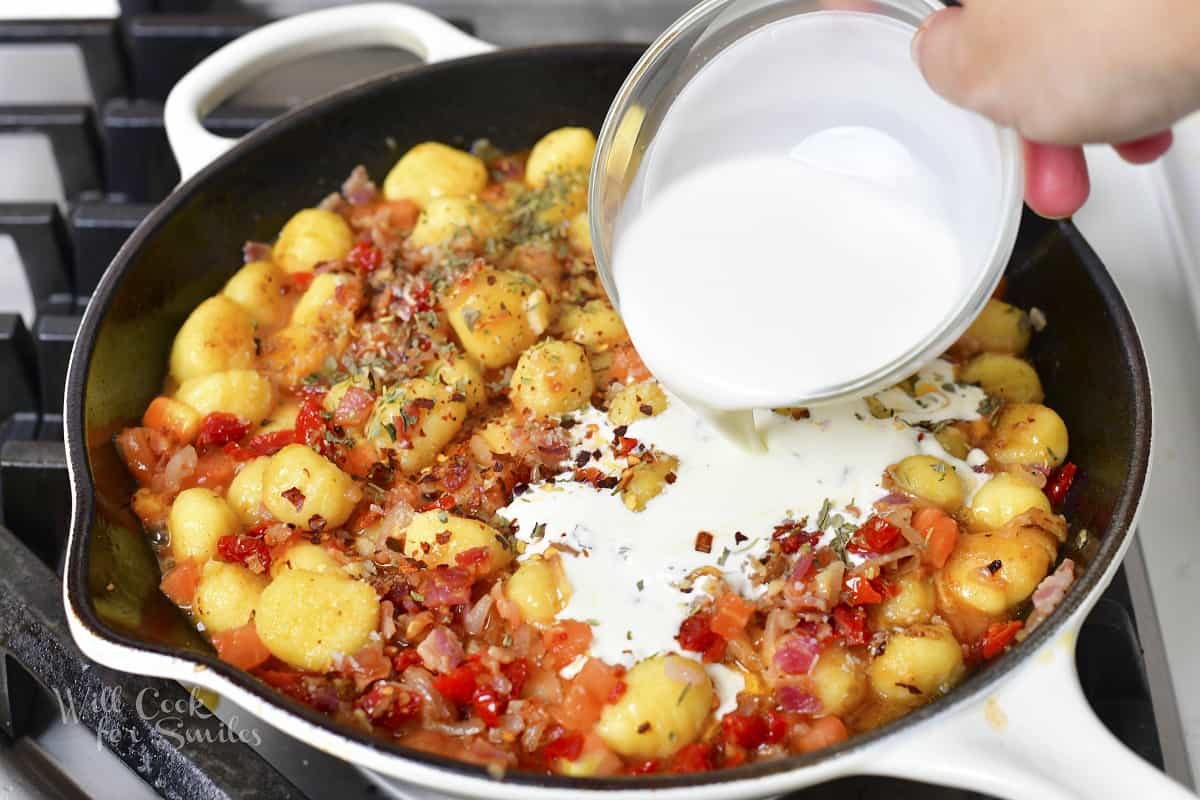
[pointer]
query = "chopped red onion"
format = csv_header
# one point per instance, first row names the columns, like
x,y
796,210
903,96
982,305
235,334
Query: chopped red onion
x,y
796,700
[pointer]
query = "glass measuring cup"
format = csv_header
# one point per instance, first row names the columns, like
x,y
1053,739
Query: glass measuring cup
x,y
977,165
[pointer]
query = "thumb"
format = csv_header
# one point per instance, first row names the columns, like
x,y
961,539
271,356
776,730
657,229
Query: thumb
x,y
940,48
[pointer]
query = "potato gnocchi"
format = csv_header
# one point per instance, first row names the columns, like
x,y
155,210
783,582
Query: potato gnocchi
x,y
344,428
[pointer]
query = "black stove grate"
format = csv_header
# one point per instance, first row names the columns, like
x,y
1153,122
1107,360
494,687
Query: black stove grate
x,y
115,164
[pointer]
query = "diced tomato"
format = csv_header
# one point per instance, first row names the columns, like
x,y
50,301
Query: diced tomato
x,y
249,551
744,730
627,365
517,673
264,444
361,459
777,727
241,647
220,428
731,613
179,584
301,280
940,532
696,634
214,468
997,637
579,710
566,640
489,705
458,686
851,625
1059,483
598,679
407,657
878,535
445,502
858,591
388,705
310,421
695,757
822,732
366,257
568,745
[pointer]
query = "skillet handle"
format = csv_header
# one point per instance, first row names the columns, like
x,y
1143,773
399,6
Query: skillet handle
x,y
241,61
1034,738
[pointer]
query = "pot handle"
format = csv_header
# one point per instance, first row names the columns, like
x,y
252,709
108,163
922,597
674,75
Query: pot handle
x,y
241,61
1034,738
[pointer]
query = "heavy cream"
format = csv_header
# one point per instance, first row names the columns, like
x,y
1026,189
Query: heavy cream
x,y
627,576
786,233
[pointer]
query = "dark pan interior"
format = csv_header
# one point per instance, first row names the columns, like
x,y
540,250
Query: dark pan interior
x,y
1089,357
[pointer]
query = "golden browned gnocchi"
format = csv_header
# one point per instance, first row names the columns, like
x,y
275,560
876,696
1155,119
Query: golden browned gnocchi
x,y
311,237
259,288
199,518
302,488
436,537
664,707
432,170
226,595
408,463
308,618
917,664
930,479
552,377
218,336
497,314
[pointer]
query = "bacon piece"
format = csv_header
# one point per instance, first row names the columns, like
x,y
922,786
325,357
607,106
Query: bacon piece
x,y
441,651
1050,592
354,407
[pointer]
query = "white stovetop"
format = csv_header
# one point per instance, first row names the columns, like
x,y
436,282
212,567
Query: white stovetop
x,y
1126,223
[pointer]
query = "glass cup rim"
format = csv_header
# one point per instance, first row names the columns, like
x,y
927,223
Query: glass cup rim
x,y
999,249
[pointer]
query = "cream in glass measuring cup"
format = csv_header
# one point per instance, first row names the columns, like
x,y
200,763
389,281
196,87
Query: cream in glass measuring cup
x,y
803,221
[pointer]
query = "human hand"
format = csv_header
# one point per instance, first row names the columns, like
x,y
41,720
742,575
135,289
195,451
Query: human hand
x,y
1064,73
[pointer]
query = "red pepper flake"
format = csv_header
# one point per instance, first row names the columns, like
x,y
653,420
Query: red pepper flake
x,y
316,523
670,478
617,691
295,497
624,445
1060,482
739,537
704,541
